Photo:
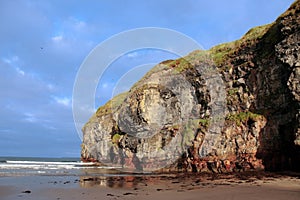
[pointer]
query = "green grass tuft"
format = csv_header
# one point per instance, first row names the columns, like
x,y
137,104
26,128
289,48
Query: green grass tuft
x,y
242,117
116,138
111,105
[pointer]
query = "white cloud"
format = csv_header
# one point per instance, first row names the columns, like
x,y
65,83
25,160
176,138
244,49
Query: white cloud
x,y
29,117
69,30
50,86
11,60
132,55
79,25
14,62
104,85
57,38
49,127
65,101
87,108
21,72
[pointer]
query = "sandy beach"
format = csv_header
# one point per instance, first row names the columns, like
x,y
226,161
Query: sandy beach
x,y
164,186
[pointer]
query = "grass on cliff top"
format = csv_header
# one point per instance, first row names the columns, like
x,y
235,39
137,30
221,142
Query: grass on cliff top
x,y
111,105
221,52
292,10
218,54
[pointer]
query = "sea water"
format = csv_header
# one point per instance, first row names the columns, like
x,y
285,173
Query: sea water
x,y
22,166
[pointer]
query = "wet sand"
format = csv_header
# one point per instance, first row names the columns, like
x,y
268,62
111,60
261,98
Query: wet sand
x,y
168,187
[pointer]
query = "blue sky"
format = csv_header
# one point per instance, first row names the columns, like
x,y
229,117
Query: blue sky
x,y
43,43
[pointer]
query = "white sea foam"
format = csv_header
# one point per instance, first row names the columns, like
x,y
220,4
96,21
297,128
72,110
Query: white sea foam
x,y
42,167
36,166
49,163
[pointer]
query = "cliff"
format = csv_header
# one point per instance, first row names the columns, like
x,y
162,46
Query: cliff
x,y
233,107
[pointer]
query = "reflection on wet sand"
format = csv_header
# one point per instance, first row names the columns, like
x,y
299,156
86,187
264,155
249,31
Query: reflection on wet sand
x,y
112,182
121,181
188,180
113,178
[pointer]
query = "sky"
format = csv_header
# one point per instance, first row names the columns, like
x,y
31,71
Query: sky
x,y
44,42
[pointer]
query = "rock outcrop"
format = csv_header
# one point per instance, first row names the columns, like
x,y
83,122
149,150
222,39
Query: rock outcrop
x,y
233,107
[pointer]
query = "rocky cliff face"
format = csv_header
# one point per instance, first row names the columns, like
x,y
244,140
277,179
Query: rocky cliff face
x,y
233,107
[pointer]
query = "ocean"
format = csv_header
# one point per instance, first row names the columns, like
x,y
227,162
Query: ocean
x,y
24,166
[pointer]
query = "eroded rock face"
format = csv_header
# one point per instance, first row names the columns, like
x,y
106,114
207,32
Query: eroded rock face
x,y
234,107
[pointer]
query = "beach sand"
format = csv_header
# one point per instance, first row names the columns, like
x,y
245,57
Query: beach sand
x,y
167,187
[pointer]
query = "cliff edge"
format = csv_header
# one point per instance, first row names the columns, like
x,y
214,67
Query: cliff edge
x,y
233,107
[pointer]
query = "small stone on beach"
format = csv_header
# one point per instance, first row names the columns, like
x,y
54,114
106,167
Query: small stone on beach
x,y
128,193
